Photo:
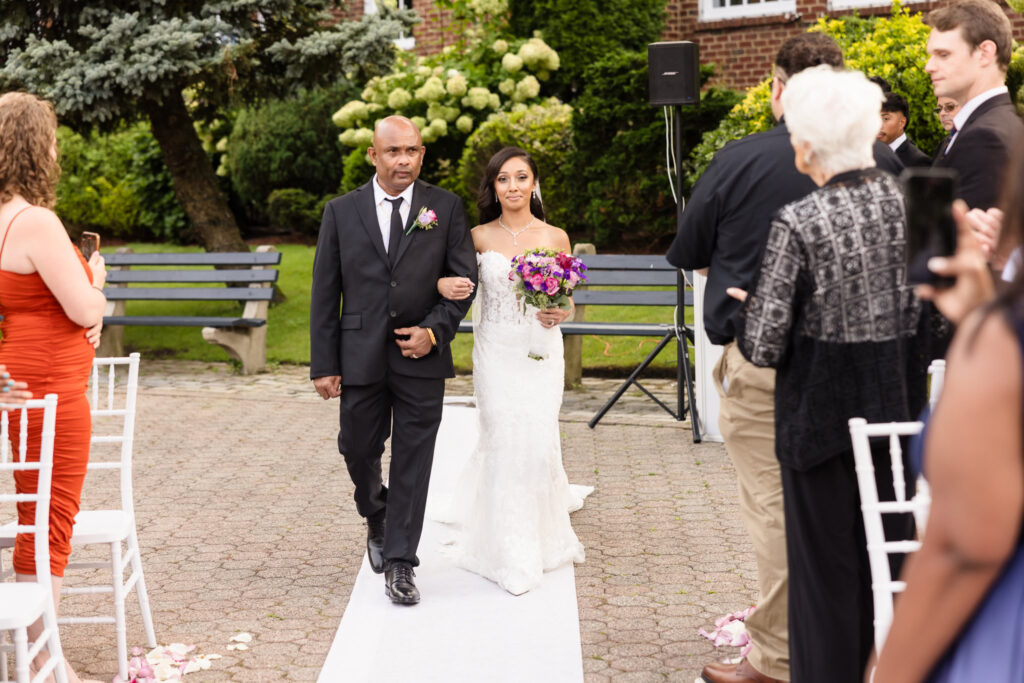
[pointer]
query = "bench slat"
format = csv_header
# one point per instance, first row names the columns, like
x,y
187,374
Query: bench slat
x,y
189,293
591,297
627,262
195,259
632,278
120,276
599,328
181,321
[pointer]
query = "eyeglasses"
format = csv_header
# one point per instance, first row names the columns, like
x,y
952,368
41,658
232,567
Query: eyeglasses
x,y
948,108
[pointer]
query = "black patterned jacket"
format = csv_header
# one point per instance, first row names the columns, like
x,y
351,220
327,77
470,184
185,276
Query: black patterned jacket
x,y
832,311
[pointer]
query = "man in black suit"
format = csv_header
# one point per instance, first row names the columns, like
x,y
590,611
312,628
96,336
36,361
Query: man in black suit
x,y
895,112
381,250
724,229
969,51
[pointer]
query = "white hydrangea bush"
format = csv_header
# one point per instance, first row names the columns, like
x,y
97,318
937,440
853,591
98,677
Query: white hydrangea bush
x,y
447,95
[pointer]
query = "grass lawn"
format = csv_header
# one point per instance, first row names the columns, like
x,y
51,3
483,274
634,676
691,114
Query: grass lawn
x,y
288,326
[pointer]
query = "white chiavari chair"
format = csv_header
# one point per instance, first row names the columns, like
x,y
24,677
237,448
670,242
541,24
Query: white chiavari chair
x,y
25,602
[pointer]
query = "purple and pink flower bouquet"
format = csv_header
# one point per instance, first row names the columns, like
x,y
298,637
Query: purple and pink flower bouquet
x,y
545,278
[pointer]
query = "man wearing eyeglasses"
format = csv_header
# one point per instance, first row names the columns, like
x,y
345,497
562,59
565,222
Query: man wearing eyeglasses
x,y
969,51
946,110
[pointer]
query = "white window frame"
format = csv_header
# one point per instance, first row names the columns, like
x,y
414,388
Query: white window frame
x,y
865,4
708,11
402,41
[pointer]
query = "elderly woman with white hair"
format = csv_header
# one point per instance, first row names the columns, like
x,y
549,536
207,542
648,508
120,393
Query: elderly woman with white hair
x,y
832,312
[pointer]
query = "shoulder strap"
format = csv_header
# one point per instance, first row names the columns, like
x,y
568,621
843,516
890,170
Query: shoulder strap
x,y
8,231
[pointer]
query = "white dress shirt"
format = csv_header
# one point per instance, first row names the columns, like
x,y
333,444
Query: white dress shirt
x,y
965,111
1013,264
895,144
384,208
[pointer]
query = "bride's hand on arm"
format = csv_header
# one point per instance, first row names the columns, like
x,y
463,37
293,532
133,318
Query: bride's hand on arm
x,y
455,288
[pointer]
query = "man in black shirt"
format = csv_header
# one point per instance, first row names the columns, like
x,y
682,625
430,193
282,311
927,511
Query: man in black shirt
x,y
723,230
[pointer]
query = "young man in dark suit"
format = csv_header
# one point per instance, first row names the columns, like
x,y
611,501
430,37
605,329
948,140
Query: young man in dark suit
x,y
895,113
381,250
969,51
724,228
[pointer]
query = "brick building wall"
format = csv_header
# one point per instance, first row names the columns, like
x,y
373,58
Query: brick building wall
x,y
743,49
431,35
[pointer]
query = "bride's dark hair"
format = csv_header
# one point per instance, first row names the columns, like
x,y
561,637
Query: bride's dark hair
x,y
487,204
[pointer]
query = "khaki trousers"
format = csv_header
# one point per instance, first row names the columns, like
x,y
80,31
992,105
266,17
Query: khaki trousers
x,y
747,422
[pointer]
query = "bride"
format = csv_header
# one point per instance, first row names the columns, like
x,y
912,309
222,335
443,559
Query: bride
x,y
511,517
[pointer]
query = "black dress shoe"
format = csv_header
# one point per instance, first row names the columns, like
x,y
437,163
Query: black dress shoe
x,y
399,586
375,541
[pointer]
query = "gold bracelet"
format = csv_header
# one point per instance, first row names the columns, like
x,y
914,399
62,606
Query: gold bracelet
x,y
433,339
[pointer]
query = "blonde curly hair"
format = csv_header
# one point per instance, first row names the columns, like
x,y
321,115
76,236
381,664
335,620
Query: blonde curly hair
x,y
28,130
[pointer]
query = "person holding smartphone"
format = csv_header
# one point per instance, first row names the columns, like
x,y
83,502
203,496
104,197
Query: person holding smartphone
x,y
52,304
959,618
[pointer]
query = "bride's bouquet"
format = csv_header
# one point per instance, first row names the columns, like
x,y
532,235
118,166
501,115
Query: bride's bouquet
x,y
545,278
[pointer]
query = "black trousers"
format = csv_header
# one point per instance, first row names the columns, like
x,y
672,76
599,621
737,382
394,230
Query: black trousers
x,y
831,630
414,406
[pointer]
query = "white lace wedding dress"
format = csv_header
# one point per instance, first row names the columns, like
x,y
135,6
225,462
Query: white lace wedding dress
x,y
510,515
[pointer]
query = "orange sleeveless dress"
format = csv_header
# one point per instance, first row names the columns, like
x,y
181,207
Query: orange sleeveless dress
x,y
43,347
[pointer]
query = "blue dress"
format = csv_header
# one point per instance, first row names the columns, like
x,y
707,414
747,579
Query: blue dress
x,y
991,645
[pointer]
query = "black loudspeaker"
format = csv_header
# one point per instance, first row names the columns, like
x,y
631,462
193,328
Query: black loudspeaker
x,y
673,73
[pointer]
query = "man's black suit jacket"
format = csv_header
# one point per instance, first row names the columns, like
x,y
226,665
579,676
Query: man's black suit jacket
x,y
725,223
351,269
910,155
981,150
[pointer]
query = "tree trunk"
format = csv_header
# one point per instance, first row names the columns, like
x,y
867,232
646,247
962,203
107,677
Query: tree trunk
x,y
195,183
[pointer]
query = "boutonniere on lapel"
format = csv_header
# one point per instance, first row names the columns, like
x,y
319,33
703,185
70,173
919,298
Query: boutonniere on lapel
x,y
426,219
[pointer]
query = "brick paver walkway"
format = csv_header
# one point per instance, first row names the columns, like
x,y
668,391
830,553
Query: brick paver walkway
x,y
246,522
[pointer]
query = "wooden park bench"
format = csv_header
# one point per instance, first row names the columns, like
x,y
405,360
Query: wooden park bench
x,y
625,280
245,277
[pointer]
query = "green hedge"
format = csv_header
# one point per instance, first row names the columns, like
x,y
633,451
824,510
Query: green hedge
x,y
116,184
287,143
618,187
586,32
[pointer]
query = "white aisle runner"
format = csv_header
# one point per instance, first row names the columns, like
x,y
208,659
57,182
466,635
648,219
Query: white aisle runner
x,y
466,628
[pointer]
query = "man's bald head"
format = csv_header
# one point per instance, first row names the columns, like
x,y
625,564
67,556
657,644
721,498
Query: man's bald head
x,y
391,124
397,153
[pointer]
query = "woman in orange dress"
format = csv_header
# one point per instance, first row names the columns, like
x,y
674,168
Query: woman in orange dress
x,y
52,305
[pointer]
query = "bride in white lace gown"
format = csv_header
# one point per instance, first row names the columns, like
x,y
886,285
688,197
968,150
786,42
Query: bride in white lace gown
x,y
510,519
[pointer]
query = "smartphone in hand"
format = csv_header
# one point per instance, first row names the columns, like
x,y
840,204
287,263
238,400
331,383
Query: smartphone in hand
x,y
88,243
931,229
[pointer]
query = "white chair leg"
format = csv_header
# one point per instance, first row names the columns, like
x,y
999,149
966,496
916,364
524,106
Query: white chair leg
x,y
117,581
3,658
140,588
21,655
53,646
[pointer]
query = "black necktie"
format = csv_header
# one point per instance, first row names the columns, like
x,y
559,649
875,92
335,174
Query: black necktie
x,y
396,228
949,139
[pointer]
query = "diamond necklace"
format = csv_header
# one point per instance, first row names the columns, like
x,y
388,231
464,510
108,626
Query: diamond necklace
x,y
518,232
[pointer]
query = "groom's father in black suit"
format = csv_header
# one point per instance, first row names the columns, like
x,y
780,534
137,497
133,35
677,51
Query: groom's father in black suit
x,y
969,51
381,250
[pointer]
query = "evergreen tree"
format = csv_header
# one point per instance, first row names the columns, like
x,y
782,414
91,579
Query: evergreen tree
x,y
179,61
